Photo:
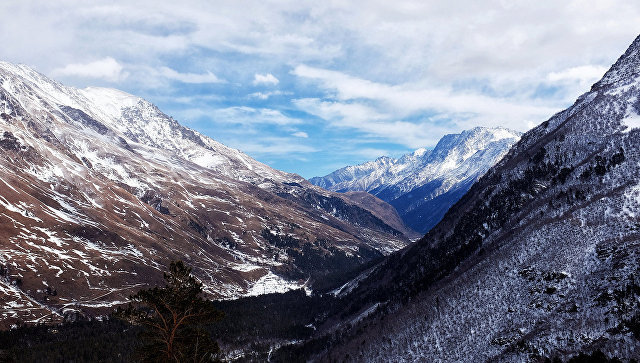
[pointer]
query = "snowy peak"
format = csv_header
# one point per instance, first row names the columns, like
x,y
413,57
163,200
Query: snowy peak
x,y
100,188
426,179
625,70
110,101
464,145
131,118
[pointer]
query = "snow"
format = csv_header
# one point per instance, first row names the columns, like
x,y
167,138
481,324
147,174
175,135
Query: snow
x,y
9,185
272,283
455,158
631,121
504,305
451,167
420,152
110,101
85,183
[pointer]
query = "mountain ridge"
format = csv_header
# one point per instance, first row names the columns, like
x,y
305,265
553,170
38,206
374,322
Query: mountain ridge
x,y
93,204
538,259
423,184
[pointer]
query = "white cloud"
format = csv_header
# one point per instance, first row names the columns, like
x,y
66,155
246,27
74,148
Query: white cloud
x,y
367,120
369,153
267,79
301,134
239,115
582,74
404,39
273,146
267,95
248,115
379,109
196,78
405,99
107,69
406,70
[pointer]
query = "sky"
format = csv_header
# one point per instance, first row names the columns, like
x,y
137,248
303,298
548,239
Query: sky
x,y
312,86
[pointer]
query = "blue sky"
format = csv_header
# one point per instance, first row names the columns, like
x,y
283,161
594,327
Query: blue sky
x,y
308,87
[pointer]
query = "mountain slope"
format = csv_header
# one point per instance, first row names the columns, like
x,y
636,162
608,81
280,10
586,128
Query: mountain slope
x,y
424,184
99,190
539,258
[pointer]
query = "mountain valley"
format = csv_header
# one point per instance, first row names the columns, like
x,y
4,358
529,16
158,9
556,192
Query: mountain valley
x,y
495,246
99,190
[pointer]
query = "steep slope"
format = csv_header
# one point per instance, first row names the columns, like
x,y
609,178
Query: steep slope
x,y
382,210
539,258
99,190
424,184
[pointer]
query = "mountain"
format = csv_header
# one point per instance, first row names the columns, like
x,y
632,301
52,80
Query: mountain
x,y
423,185
538,259
99,190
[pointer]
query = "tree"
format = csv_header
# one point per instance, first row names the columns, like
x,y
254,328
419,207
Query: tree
x,y
173,318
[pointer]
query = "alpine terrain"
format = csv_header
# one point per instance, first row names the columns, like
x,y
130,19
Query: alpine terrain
x,y
99,190
541,258
423,185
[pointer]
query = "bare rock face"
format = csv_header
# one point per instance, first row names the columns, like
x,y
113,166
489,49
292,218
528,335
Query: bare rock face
x,y
539,258
99,190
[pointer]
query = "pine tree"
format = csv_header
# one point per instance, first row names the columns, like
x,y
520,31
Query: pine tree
x,y
174,317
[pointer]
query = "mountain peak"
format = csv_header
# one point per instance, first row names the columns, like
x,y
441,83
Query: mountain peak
x,y
110,100
626,69
423,184
420,152
99,188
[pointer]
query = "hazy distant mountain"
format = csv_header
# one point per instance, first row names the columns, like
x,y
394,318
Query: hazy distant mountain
x,y
424,184
99,190
539,258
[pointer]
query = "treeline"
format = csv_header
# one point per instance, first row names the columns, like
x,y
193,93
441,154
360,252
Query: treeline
x,y
257,323
81,341
260,328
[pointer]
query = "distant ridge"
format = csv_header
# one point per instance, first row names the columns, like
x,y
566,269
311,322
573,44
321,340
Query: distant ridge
x,y
423,185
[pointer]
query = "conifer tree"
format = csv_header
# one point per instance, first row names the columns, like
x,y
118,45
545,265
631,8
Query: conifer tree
x,y
173,318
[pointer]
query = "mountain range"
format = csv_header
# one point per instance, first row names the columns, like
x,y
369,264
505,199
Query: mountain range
x,y
538,259
423,185
99,190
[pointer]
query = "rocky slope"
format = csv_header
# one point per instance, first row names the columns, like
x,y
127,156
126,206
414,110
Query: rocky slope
x,y
424,184
99,190
540,258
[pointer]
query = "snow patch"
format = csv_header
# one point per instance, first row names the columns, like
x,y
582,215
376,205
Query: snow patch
x,y
272,283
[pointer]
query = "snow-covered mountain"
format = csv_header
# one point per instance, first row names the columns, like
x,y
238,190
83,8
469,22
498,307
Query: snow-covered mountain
x,y
99,190
539,259
423,185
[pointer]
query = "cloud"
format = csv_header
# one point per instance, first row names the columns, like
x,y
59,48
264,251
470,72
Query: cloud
x,y
267,79
107,69
378,126
369,153
273,146
267,95
582,74
248,116
410,114
301,134
406,99
195,78
404,71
